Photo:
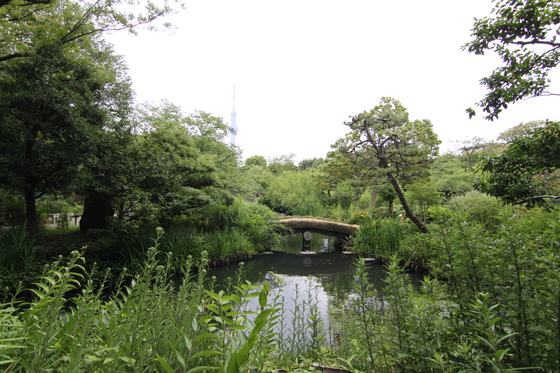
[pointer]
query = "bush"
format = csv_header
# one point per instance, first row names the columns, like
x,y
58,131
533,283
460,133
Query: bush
x,y
478,207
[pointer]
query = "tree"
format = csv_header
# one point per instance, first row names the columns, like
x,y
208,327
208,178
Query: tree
x,y
33,26
521,173
335,171
294,192
174,164
387,141
283,163
423,195
256,160
468,147
522,129
310,163
523,34
53,106
449,176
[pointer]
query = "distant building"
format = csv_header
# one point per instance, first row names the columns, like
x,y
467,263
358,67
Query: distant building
x,y
234,120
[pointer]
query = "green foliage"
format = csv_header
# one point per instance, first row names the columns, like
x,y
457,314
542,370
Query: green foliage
x,y
176,164
310,163
422,195
17,251
256,160
384,140
379,237
388,195
142,326
14,207
500,291
521,130
257,180
521,173
523,34
232,231
294,192
50,126
449,176
477,207
283,163
70,23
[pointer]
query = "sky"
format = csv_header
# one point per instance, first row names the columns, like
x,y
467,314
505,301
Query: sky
x,y
301,68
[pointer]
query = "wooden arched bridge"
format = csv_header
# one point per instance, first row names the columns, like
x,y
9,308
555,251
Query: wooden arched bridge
x,y
326,227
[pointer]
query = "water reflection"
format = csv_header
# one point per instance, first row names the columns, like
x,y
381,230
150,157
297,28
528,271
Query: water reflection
x,y
329,269
306,279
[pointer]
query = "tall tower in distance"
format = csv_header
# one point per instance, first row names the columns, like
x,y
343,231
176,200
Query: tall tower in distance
x,y
234,120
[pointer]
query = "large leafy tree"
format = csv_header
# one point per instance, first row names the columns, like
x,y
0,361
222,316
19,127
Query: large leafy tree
x,y
29,27
173,164
256,160
523,34
449,176
522,172
282,163
53,105
386,141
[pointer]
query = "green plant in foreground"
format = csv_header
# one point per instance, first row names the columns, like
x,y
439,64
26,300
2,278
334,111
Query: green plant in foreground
x,y
145,326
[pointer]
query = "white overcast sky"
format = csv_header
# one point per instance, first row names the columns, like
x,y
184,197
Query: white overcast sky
x,y
301,68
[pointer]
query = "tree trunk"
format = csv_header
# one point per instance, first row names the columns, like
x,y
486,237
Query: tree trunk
x,y
373,198
407,209
30,189
97,210
31,209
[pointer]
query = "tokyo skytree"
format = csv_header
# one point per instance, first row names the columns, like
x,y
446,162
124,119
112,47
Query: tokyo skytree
x,y
233,120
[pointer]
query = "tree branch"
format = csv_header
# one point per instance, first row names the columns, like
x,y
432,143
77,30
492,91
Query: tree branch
x,y
12,56
536,41
536,197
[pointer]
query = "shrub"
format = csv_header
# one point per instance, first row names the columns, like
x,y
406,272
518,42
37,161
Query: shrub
x,y
478,207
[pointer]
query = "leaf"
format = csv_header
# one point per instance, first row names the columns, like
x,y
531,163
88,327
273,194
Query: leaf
x,y
43,286
205,336
199,369
188,342
92,358
262,298
232,366
127,360
165,366
501,353
205,353
243,354
212,295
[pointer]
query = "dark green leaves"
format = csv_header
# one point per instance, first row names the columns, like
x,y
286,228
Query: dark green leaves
x,y
514,30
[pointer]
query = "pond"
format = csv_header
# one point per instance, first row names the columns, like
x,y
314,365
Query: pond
x,y
327,275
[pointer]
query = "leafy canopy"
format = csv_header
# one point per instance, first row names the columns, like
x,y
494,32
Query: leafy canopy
x,y
523,34
521,173
32,26
385,142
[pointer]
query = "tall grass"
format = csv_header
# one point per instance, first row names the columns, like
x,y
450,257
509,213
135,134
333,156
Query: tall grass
x,y
17,250
379,237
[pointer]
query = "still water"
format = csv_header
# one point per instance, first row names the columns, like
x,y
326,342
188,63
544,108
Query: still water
x,y
323,276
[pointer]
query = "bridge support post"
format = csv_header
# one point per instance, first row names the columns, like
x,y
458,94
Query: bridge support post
x,y
306,241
